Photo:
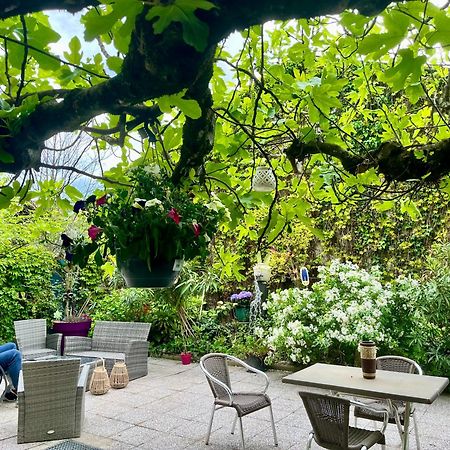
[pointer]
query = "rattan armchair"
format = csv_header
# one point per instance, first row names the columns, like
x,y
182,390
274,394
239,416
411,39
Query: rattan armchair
x,y
395,409
215,367
329,417
51,400
33,341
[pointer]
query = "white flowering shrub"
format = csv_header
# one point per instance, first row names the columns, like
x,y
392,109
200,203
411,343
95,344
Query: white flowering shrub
x,y
345,306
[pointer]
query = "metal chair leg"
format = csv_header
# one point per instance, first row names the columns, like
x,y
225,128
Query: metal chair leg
x,y
416,430
210,424
275,439
234,423
310,438
242,433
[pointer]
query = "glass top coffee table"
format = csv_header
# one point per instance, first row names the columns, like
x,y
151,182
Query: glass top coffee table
x,y
91,361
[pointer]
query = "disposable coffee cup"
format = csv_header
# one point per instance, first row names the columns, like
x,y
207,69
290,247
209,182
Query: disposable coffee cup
x,y
368,352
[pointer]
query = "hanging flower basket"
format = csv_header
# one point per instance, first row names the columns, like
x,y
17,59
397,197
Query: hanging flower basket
x,y
151,225
160,274
264,179
262,271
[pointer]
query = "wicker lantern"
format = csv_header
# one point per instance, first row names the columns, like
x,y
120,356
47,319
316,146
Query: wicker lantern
x,y
119,375
264,179
100,381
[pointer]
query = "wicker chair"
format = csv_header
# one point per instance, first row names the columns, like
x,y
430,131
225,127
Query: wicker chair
x,y
51,400
396,409
126,341
33,341
329,417
215,367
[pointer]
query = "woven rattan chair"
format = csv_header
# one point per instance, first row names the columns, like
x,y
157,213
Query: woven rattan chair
x,y
124,341
329,417
33,341
51,400
396,409
215,367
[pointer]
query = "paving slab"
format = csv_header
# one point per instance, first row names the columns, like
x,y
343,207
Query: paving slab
x,y
170,409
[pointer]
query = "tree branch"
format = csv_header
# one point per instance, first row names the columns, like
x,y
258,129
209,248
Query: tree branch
x,y
82,172
395,162
155,65
11,8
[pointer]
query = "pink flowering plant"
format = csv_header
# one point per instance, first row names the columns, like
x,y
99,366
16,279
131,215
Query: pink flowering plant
x,y
152,219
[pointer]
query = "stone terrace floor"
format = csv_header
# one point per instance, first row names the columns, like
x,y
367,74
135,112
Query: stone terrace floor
x,y
170,408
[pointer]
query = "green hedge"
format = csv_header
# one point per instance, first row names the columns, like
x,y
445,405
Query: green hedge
x,y
25,287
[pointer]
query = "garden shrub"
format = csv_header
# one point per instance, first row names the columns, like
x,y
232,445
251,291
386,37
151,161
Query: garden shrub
x,y
391,239
420,316
142,305
325,324
25,287
125,305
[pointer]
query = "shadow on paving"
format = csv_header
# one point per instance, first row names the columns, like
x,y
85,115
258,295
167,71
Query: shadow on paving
x,y
171,406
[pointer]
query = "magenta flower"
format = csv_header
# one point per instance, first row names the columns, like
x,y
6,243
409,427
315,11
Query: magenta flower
x,y
94,231
197,229
173,214
101,201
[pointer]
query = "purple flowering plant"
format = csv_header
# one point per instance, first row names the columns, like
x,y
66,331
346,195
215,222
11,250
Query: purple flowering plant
x,y
242,297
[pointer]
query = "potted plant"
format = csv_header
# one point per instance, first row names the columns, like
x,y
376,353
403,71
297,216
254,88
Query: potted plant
x,y
241,302
252,349
73,319
186,358
150,225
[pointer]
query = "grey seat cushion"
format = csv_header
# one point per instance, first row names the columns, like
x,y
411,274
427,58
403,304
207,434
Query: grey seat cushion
x,y
99,354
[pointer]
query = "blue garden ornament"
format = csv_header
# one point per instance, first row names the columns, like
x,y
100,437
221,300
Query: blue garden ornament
x,y
304,276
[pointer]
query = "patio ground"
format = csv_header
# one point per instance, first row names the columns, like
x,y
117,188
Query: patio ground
x,y
170,408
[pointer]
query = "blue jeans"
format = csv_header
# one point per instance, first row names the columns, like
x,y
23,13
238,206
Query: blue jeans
x,y
11,361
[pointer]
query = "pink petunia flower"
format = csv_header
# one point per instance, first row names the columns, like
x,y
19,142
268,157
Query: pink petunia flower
x,y
94,231
197,229
101,201
173,214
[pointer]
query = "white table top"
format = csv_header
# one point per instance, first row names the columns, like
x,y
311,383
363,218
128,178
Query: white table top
x,y
387,384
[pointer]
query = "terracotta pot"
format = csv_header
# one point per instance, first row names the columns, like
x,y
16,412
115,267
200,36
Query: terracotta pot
x,y
137,274
186,358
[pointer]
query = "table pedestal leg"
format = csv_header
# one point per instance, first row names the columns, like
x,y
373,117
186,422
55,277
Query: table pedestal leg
x,y
405,435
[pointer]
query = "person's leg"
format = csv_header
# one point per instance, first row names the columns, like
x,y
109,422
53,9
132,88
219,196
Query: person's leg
x,y
7,346
11,362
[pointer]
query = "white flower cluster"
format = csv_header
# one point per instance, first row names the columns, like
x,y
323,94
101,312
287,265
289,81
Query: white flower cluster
x,y
344,307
